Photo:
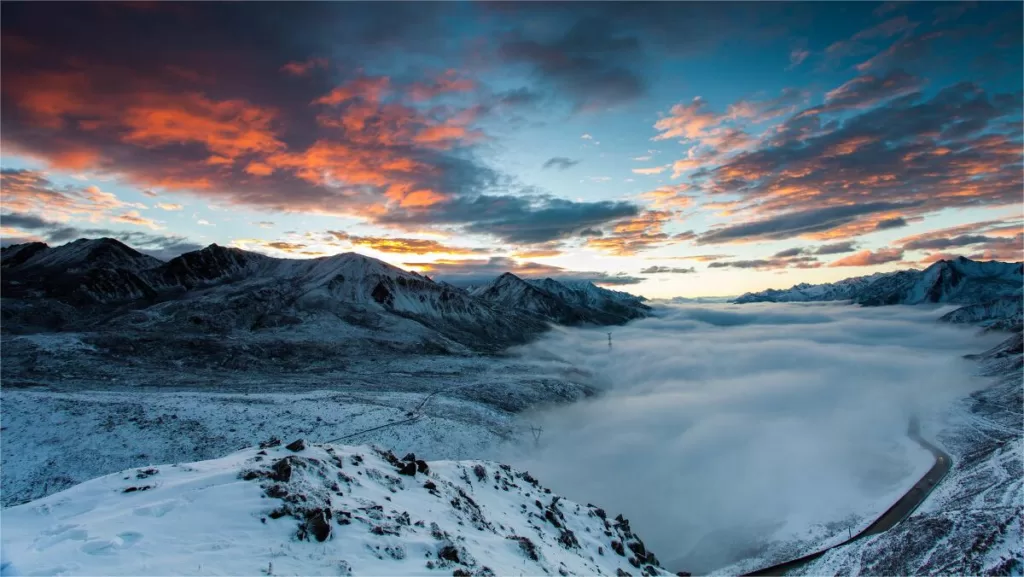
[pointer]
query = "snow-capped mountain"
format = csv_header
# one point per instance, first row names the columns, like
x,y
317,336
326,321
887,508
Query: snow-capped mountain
x,y
960,280
220,289
568,303
318,509
1002,314
845,289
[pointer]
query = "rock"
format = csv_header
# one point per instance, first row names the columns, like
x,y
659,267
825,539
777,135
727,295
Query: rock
x,y
621,573
430,486
449,553
618,548
409,457
408,469
296,446
273,442
422,467
318,524
282,470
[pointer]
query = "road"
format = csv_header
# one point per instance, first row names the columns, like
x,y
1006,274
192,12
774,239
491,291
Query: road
x,y
898,512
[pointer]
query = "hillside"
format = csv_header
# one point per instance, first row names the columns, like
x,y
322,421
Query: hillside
x,y
319,509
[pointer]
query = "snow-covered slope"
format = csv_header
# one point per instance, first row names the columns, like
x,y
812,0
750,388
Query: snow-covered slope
x,y
1002,314
960,280
318,510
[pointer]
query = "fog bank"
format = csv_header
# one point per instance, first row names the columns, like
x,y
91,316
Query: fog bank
x,y
723,427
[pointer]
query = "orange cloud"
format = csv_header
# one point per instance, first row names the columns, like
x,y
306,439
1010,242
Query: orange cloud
x,y
403,245
631,236
869,258
296,68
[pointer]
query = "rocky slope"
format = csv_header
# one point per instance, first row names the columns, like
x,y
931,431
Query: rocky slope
x,y
562,303
315,510
98,284
960,280
1002,314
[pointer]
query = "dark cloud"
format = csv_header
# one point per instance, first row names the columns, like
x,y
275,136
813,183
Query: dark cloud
x,y
667,269
792,224
769,264
590,63
518,219
475,272
560,162
963,240
886,224
868,90
789,252
160,246
836,248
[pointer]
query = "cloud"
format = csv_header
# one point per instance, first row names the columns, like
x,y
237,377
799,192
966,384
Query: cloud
x,y
479,271
216,116
797,57
168,206
161,246
652,170
628,237
988,240
890,223
788,225
517,219
403,245
870,258
904,158
590,63
701,257
776,262
133,217
666,269
560,162
729,390
302,68
866,91
31,191
204,222
263,224
836,248
789,252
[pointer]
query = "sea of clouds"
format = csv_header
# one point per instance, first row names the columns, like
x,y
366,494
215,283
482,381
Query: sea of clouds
x,y
723,427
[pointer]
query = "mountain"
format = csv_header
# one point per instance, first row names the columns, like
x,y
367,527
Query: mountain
x,y
567,303
1002,314
960,280
217,290
319,509
85,271
845,289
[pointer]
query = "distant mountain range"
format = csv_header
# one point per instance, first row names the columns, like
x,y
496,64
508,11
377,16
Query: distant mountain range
x,y
960,280
94,283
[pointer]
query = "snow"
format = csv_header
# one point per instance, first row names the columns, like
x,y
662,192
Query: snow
x,y
314,510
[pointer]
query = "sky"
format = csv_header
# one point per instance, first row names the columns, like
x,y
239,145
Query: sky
x,y
666,149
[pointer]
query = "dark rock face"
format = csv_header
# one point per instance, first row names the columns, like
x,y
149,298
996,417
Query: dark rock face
x,y
296,446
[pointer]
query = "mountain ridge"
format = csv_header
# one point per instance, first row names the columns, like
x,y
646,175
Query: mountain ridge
x,y
957,281
220,289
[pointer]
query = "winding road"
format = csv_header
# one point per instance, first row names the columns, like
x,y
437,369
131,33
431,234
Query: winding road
x,y
898,512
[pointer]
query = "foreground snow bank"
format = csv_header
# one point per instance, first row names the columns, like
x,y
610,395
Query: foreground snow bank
x,y
319,509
